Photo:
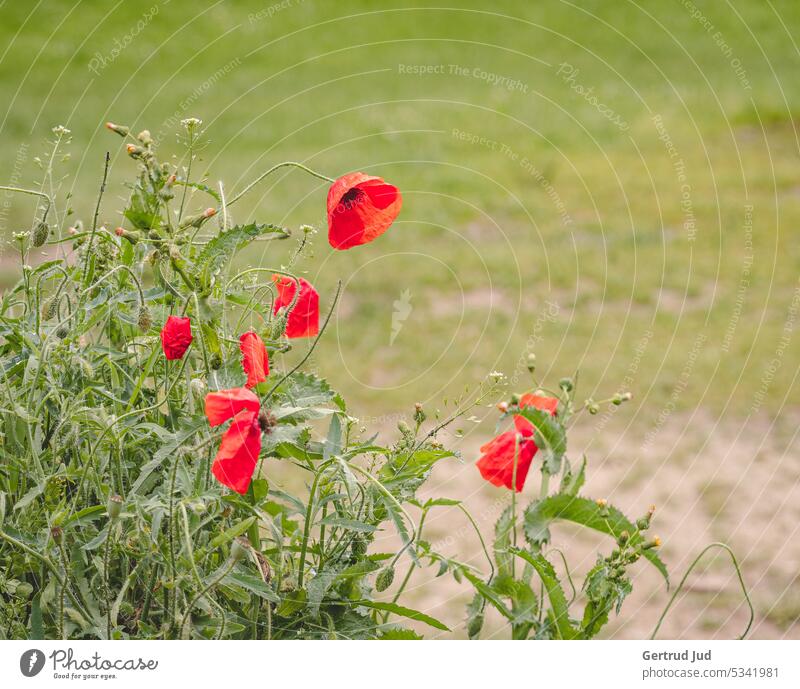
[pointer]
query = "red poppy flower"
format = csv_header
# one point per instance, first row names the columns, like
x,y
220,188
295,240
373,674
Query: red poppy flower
x,y
549,404
176,336
496,463
241,444
360,208
254,359
303,320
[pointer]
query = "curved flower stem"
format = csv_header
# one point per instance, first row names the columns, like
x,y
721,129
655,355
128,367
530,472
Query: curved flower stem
x,y
480,538
288,163
694,563
31,192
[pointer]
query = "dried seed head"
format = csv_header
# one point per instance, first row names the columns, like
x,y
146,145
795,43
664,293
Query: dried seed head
x,y
40,233
198,388
56,533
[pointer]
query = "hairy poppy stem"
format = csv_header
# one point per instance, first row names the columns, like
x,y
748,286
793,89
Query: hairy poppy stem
x,y
94,219
288,163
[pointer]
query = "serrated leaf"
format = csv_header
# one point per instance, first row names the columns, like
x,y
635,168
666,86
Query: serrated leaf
x,y
608,520
229,534
571,483
549,435
219,250
252,584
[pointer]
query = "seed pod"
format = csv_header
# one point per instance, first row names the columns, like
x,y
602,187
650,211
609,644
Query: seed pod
x,y
198,388
566,384
145,318
114,506
474,625
62,331
40,233
57,533
531,362
216,361
384,579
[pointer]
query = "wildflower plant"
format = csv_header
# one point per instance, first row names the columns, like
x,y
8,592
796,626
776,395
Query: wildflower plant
x,y
142,415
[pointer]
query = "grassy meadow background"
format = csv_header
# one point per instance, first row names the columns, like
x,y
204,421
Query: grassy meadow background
x,y
611,185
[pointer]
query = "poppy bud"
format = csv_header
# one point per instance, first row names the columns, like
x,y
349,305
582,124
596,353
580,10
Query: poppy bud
x,y
384,579
502,407
62,331
358,547
216,361
40,233
531,362
145,318
239,548
515,400
566,384
623,538
23,590
56,533
117,129
114,506
592,407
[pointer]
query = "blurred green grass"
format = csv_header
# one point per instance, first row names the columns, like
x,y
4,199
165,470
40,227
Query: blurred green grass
x,y
557,204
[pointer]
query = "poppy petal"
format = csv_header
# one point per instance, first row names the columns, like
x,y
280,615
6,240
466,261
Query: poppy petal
x,y
176,336
223,405
496,463
255,361
238,452
360,208
303,320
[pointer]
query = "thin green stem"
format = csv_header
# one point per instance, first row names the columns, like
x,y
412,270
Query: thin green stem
x,y
288,163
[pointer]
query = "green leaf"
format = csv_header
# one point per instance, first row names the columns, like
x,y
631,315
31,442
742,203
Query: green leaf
x,y
37,627
219,250
608,520
489,594
571,483
333,443
415,615
558,601
502,541
292,602
252,584
232,532
549,434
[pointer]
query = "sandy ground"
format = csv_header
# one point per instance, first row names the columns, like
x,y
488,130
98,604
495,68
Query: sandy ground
x,y
711,481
